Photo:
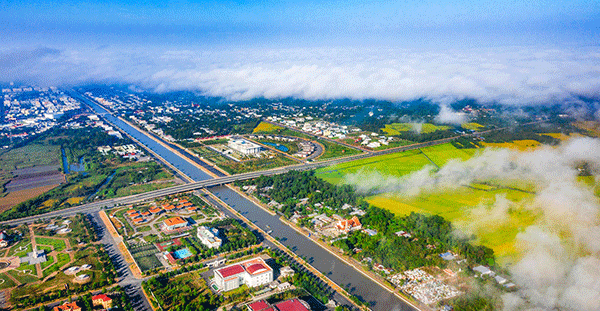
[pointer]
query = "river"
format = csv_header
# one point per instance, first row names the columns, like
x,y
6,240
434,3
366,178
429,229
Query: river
x,y
338,271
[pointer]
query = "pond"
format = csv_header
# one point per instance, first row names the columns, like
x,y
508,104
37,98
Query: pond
x,y
278,146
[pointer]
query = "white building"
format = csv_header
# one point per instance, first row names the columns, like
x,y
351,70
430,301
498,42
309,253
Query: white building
x,y
253,272
244,146
209,237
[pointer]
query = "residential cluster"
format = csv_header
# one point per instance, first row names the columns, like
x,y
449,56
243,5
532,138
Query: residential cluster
x,y
33,110
129,151
423,286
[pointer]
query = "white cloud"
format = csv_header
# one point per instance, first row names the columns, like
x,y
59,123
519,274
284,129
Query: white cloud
x,y
508,75
560,267
449,116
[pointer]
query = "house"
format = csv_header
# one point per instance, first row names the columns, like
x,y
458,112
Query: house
x,y
253,272
69,306
347,225
174,223
155,210
209,237
483,270
102,300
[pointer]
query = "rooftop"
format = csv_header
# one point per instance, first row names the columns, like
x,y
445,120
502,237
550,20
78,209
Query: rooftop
x,y
175,221
231,270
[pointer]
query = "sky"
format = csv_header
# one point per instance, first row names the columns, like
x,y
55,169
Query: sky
x,y
506,51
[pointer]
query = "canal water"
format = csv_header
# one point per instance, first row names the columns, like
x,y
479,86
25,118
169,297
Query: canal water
x,y
335,269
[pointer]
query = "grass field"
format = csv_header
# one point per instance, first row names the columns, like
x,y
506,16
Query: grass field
x,y
333,150
24,278
397,164
58,245
6,282
396,128
521,145
265,127
135,189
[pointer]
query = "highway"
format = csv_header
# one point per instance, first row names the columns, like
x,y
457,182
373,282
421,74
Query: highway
x,y
207,183
337,270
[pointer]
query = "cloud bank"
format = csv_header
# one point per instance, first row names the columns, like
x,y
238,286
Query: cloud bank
x,y
560,266
512,75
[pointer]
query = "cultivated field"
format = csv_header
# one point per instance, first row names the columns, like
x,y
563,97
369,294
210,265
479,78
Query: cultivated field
x,y
265,127
463,206
29,156
472,126
521,145
396,128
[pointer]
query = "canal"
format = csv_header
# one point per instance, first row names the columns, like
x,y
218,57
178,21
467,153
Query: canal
x,y
335,269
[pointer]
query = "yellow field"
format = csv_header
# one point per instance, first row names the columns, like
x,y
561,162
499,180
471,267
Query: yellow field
x,y
75,200
521,145
561,136
472,126
265,127
459,206
396,128
49,203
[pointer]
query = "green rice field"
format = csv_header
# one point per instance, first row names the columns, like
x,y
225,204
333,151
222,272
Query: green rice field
x,y
458,205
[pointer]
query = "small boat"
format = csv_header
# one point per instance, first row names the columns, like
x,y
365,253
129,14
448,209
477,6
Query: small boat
x,y
269,232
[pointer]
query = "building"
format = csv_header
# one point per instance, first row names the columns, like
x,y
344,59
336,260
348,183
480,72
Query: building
x,y
244,146
4,239
102,300
347,225
293,304
174,223
209,237
69,306
253,272
260,305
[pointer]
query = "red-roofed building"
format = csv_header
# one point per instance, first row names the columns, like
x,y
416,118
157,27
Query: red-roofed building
x,y
292,305
69,306
155,210
347,225
102,300
253,272
258,306
174,223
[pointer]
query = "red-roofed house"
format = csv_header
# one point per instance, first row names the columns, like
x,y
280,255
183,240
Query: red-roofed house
x,y
69,306
253,272
102,300
347,225
292,305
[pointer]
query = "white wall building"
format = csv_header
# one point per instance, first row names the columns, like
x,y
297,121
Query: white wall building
x,y
253,272
209,237
244,146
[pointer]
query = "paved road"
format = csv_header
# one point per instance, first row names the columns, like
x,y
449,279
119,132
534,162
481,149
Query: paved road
x,y
130,284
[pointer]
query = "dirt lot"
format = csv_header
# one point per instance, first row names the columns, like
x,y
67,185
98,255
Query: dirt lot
x,y
14,198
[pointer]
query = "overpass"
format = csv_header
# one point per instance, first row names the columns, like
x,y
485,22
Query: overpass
x,y
96,206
